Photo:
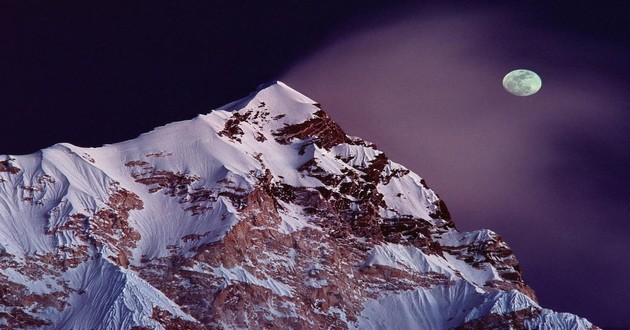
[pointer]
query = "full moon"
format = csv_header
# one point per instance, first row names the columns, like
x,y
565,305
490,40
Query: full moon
x,y
522,82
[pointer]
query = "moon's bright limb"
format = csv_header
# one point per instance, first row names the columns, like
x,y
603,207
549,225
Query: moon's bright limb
x,y
522,82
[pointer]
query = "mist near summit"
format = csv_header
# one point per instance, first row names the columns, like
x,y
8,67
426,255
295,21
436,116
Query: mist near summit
x,y
547,172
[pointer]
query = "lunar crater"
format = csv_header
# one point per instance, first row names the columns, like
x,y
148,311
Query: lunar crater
x,y
522,82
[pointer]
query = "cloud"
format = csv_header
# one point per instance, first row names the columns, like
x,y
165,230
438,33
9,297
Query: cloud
x,y
545,171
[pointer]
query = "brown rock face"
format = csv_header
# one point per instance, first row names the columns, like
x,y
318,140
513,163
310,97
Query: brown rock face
x,y
6,166
325,132
174,184
19,305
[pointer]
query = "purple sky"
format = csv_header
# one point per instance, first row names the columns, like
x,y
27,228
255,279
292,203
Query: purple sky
x,y
548,172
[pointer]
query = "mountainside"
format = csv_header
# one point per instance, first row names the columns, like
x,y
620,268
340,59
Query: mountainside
x,y
262,214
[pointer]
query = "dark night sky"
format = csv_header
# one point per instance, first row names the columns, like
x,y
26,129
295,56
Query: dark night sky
x,y
548,172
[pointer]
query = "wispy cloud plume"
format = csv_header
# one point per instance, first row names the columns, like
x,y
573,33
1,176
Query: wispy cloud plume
x,y
545,171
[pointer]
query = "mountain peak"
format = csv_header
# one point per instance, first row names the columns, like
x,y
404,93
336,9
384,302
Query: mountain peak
x,y
262,213
275,83
273,91
277,88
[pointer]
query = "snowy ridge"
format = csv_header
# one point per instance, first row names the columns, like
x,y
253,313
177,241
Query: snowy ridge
x,y
260,214
113,298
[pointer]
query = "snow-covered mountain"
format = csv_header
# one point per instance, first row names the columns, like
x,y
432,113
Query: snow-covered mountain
x,y
261,214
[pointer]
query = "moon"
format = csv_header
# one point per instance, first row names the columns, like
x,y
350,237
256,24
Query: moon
x,y
522,82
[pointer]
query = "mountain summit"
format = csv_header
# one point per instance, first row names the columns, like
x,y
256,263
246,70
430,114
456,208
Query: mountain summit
x,y
261,214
